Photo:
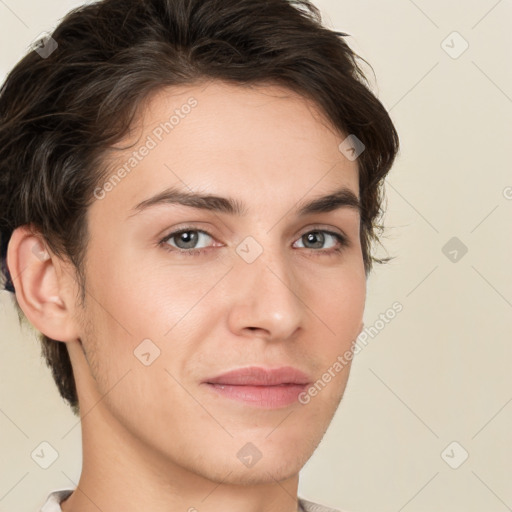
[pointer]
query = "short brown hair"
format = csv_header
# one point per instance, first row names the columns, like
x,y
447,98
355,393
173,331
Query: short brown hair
x,y
60,114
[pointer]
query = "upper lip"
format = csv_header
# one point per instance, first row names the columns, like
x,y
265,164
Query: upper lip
x,y
259,376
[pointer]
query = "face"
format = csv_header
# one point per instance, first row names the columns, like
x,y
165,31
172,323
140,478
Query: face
x,y
262,282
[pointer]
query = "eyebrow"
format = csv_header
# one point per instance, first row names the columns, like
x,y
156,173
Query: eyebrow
x,y
341,198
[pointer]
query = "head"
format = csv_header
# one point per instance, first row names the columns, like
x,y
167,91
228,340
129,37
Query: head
x,y
248,100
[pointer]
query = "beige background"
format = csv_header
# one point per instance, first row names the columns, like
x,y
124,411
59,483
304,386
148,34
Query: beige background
x,y
439,372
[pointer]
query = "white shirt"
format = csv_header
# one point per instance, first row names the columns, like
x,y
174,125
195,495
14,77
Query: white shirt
x,y
55,498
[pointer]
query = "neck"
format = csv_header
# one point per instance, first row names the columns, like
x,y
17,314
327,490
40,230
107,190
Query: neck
x,y
121,472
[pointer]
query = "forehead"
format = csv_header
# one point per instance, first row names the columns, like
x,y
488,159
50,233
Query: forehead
x,y
264,142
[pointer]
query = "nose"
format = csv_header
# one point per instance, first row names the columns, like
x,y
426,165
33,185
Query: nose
x,y
267,299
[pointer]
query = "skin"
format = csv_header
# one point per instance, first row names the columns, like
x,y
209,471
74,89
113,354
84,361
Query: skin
x,y
154,437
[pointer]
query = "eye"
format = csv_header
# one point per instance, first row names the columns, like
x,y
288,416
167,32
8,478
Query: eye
x,y
188,241
317,238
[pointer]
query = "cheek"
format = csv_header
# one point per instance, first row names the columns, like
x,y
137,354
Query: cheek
x,y
172,306
339,301
146,296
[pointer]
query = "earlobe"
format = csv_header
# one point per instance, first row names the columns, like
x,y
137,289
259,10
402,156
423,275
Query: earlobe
x,y
40,284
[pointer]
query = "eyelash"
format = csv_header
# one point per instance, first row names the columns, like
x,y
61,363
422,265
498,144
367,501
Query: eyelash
x,y
343,242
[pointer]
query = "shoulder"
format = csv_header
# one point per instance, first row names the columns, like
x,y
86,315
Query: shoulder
x,y
54,499
309,506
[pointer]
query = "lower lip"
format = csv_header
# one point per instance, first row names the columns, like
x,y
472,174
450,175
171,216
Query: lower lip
x,y
267,397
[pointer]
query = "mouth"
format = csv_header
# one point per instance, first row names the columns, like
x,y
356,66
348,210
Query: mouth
x,y
261,387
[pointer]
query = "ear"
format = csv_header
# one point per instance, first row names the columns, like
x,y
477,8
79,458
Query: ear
x,y
44,286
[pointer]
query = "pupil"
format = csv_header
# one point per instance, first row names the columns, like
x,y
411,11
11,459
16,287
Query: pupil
x,y
315,235
189,238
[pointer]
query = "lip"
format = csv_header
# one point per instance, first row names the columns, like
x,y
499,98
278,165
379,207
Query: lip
x,y
260,387
259,376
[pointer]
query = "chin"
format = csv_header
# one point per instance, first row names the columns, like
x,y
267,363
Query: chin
x,y
262,475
